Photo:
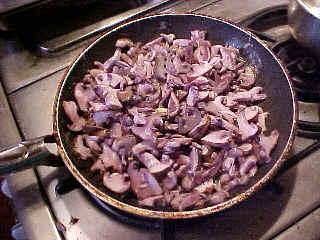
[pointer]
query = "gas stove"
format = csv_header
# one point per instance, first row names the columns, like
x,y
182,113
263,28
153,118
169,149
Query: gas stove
x,y
47,200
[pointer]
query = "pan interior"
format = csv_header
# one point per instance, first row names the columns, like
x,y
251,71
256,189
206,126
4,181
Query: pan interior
x,y
270,76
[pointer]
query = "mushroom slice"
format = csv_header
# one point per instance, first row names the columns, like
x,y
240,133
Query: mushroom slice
x,y
116,182
217,138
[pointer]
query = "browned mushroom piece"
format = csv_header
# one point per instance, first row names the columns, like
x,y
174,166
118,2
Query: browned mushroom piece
x,y
247,130
217,138
93,143
156,201
79,147
170,181
143,183
111,99
188,180
125,142
83,94
185,200
71,110
247,80
188,122
246,148
153,164
173,106
110,159
199,130
116,182
267,144
124,43
251,112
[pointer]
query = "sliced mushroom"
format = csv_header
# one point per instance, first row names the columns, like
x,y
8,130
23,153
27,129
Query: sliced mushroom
x,y
153,164
217,138
110,159
247,130
143,183
116,182
71,110
173,106
79,147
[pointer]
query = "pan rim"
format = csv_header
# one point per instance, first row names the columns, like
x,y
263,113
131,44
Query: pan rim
x,y
166,214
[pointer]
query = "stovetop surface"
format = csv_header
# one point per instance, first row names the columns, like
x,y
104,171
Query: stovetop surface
x,y
30,83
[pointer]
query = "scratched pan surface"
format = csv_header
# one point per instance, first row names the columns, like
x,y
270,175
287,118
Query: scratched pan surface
x,y
271,76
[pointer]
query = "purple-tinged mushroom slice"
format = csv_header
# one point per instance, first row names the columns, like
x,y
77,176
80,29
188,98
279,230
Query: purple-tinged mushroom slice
x,y
174,144
192,97
124,142
218,138
205,187
169,38
220,122
146,132
187,122
246,148
110,159
102,117
170,181
247,80
144,146
173,106
201,129
247,130
218,109
185,200
248,164
188,180
93,143
267,144
153,164
111,100
71,110
116,130
97,166
156,201
251,112
79,147
199,70
160,72
218,197
124,43
83,94
198,35
114,79
143,183
116,182
203,95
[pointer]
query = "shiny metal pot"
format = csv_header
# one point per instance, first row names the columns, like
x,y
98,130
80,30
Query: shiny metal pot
x,y
304,22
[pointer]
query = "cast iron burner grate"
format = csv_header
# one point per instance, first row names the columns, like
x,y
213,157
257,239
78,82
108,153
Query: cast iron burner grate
x,y
304,69
128,218
166,227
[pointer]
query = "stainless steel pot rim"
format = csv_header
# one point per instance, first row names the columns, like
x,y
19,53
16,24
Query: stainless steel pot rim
x,y
311,6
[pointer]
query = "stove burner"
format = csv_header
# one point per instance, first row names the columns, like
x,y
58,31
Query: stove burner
x,y
127,217
307,65
303,68
167,227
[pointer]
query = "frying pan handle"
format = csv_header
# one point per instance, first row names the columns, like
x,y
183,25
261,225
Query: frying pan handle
x,y
27,154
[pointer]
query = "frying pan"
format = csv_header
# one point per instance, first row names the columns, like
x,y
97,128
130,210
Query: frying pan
x,y
270,73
